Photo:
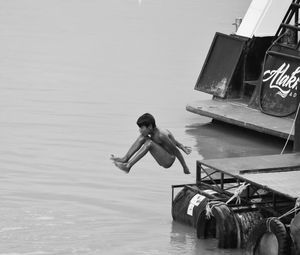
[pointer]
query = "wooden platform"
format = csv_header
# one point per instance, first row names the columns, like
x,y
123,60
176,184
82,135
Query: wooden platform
x,y
240,115
279,173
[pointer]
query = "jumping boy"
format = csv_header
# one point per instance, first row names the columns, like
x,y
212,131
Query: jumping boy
x,y
160,143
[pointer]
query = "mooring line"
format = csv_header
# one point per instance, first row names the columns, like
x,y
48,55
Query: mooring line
x,y
236,195
293,210
293,125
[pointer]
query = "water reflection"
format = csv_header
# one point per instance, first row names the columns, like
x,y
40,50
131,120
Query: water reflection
x,y
220,140
184,238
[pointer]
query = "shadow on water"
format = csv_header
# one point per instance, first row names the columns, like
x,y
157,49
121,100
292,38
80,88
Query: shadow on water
x,y
220,140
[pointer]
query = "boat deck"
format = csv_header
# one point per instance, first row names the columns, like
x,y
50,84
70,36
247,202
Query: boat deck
x,y
278,173
239,114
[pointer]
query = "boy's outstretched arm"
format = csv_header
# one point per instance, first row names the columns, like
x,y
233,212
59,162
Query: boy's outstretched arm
x,y
187,150
172,147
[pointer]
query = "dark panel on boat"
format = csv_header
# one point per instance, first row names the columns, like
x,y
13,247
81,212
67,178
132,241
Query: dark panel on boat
x,y
255,57
220,65
281,76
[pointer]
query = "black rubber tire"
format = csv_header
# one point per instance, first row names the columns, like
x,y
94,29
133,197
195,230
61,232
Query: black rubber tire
x,y
265,227
295,233
225,225
246,221
203,223
198,210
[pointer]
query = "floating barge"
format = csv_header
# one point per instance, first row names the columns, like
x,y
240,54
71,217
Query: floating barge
x,y
253,75
234,200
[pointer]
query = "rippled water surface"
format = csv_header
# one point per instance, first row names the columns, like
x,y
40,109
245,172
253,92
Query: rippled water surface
x,y
74,77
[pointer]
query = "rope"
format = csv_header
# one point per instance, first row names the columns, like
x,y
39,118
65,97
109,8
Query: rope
x,y
293,210
236,195
209,208
268,223
293,125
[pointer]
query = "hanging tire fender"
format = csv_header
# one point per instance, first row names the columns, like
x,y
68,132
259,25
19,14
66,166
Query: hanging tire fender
x,y
268,225
295,233
226,229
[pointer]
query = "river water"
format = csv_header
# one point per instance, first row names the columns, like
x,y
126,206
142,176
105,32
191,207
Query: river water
x,y
74,77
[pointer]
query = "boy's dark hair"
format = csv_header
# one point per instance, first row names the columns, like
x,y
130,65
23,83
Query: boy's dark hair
x,y
146,120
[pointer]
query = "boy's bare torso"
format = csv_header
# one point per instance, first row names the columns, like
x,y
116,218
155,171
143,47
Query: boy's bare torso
x,y
159,138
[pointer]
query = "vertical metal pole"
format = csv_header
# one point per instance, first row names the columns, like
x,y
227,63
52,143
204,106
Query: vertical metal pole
x,y
222,180
296,22
172,200
274,202
248,193
172,194
198,172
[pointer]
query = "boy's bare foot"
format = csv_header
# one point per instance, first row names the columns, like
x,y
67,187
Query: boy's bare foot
x,y
116,159
123,166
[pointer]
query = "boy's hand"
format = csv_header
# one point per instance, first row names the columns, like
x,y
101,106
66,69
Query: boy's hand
x,y
186,149
186,171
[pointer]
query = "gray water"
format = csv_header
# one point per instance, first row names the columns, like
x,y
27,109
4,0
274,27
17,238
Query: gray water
x,y
74,77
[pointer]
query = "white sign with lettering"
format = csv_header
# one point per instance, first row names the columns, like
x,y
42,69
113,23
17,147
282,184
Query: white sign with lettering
x,y
280,79
195,201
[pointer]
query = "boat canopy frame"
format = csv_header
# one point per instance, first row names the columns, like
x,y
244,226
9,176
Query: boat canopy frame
x,y
290,27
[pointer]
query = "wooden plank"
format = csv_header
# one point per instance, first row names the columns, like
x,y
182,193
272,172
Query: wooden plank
x,y
271,170
282,182
240,115
255,164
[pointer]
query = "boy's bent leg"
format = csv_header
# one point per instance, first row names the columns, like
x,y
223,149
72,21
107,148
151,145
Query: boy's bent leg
x,y
126,165
162,157
132,150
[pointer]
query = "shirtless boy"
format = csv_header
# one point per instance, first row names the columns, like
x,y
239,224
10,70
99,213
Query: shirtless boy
x,y
160,143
